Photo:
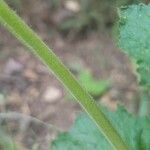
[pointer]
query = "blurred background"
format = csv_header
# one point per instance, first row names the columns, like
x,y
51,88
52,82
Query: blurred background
x,y
83,34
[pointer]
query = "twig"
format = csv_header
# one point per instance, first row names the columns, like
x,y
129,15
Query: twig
x,y
27,119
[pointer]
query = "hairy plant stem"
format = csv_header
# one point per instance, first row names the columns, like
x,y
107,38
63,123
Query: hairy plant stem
x,y
23,33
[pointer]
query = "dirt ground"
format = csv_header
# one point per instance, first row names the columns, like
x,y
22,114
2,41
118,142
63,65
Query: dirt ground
x,y
27,87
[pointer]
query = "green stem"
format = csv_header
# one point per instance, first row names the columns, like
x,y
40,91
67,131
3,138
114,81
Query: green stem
x,y
19,29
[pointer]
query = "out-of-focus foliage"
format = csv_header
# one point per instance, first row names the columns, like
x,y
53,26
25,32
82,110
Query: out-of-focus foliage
x,y
55,4
94,87
91,15
6,143
15,4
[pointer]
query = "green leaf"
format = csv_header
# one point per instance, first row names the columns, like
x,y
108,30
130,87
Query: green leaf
x,y
134,37
6,143
94,87
84,135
